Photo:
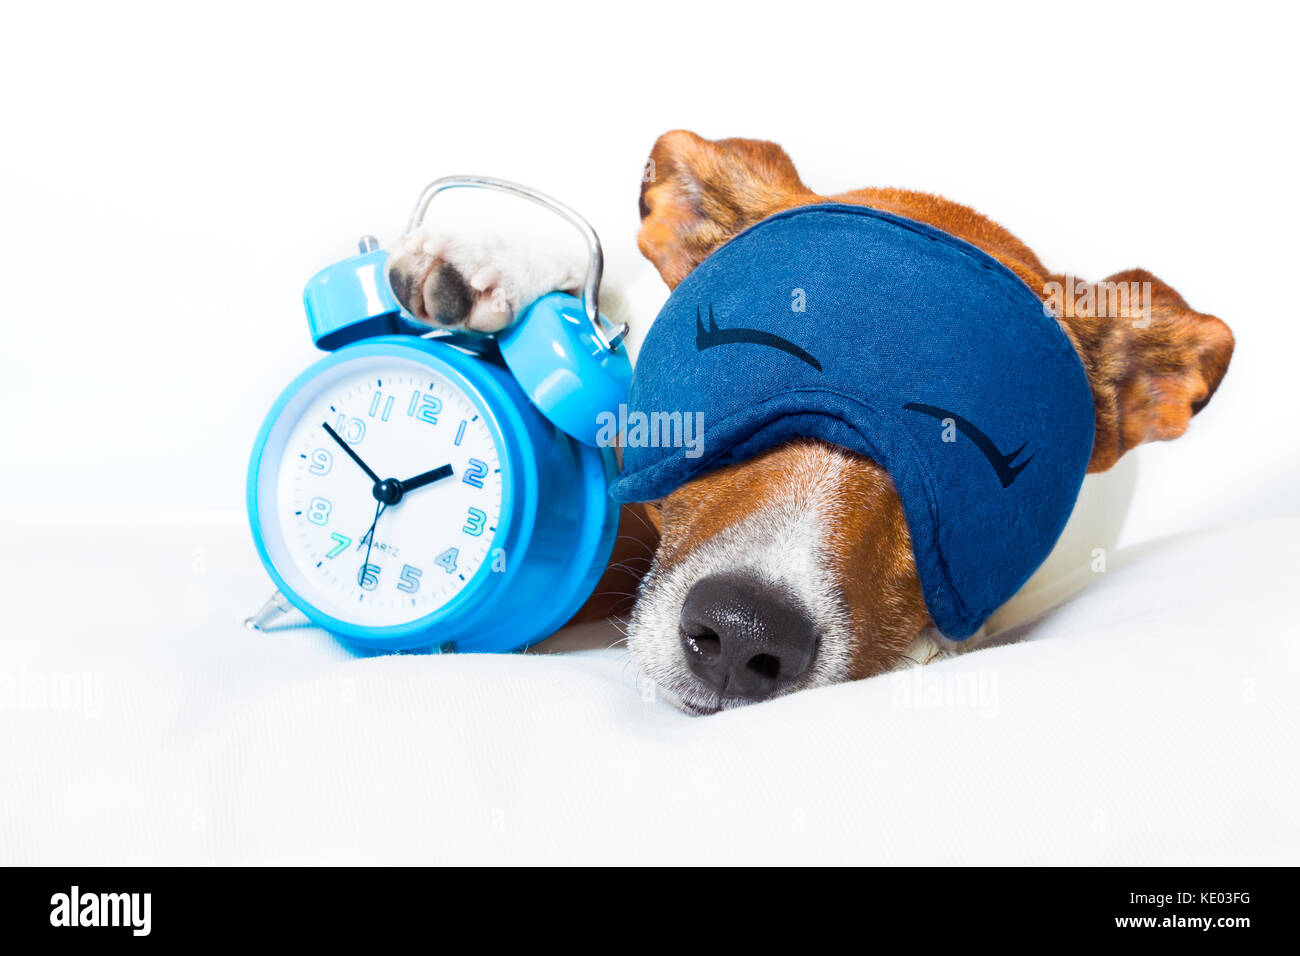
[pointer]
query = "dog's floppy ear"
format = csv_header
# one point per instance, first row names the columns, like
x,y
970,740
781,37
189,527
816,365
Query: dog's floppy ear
x,y
1153,364
698,193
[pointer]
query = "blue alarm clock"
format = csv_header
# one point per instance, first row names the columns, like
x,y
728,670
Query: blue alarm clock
x,y
419,490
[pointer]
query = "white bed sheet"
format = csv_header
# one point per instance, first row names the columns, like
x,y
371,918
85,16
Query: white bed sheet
x,y
1153,718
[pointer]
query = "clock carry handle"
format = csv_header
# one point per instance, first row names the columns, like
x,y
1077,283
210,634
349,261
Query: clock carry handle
x,y
608,337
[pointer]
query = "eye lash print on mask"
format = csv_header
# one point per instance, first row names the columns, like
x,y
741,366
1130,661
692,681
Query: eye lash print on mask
x,y
1002,464
712,337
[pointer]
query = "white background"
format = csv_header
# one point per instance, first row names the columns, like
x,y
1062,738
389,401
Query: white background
x,y
170,177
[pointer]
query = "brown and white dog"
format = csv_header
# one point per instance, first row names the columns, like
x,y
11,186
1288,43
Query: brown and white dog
x,y
795,568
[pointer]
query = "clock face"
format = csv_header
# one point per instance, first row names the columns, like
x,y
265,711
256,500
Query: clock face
x,y
386,555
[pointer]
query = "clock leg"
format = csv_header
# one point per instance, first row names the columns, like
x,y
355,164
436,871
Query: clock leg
x,y
276,607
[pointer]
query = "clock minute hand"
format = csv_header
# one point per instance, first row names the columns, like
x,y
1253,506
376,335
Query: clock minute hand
x,y
428,478
369,539
351,454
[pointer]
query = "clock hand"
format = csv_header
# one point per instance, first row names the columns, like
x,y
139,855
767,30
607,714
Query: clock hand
x,y
428,478
390,490
351,454
370,541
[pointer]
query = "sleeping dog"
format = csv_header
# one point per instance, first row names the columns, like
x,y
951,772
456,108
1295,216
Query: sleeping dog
x,y
795,567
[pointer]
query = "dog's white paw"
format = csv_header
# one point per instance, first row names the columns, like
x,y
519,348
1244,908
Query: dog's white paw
x,y
481,284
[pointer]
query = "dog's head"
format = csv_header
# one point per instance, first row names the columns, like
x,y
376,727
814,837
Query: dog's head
x,y
795,568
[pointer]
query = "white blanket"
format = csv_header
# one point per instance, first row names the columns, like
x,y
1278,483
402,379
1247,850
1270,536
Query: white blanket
x,y
1151,719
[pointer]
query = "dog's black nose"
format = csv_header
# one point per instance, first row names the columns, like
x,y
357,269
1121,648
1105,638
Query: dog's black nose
x,y
744,637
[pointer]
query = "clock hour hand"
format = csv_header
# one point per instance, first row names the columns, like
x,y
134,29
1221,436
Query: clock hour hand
x,y
390,490
351,454
428,478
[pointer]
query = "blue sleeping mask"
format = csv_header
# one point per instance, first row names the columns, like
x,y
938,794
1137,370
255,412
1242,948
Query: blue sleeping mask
x,y
897,341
